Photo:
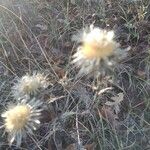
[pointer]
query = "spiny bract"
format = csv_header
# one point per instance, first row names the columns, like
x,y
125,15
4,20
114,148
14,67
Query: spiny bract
x,y
97,45
29,84
21,119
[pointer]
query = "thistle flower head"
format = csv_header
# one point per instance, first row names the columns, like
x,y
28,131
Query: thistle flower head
x,y
29,84
16,117
21,119
97,45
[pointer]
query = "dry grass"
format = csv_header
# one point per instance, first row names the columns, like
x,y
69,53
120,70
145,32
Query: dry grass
x,y
36,36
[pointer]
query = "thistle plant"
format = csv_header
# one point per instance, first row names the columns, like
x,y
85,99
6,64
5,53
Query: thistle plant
x,y
97,46
29,84
21,119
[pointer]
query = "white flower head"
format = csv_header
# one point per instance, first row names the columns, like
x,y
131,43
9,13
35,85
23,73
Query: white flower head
x,y
29,84
22,119
97,45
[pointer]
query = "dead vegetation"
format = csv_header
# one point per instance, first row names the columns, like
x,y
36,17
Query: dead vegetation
x,y
105,113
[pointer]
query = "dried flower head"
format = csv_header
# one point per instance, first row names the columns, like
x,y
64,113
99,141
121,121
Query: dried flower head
x,y
22,119
97,45
29,84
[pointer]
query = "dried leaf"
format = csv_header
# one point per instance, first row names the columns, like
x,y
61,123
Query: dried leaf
x,y
71,147
90,146
60,71
119,98
108,114
42,26
104,90
116,102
